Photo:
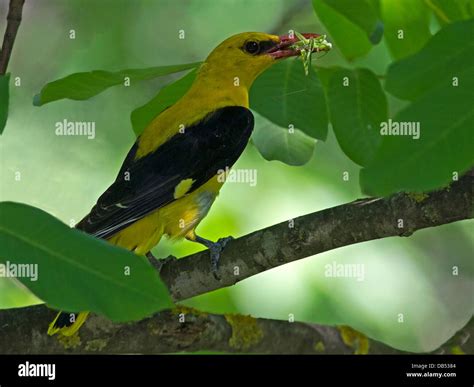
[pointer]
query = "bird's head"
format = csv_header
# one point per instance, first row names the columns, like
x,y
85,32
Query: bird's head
x,y
242,57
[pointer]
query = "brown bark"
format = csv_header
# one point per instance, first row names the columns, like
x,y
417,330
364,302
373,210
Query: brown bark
x,y
23,331
360,221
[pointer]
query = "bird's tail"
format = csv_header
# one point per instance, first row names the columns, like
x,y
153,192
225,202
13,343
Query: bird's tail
x,y
67,324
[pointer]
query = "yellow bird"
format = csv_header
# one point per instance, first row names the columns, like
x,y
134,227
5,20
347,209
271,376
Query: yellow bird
x,y
170,177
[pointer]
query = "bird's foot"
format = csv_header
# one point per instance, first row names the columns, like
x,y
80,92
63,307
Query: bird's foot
x,y
216,249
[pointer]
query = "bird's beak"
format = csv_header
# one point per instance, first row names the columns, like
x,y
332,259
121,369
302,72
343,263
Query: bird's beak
x,y
283,49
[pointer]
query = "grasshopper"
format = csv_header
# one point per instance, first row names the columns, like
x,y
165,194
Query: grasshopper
x,y
307,47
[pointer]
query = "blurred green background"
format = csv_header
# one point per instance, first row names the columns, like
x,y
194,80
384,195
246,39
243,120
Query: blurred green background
x,y
65,175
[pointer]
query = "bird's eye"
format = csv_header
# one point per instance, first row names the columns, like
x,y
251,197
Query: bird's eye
x,y
252,47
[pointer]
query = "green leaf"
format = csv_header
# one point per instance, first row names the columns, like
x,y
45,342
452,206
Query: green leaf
x,y
448,11
77,272
357,106
291,147
406,26
166,97
81,86
325,74
375,4
445,56
4,100
284,95
348,37
445,146
362,14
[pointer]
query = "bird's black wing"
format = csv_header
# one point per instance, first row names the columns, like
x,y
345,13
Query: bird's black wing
x,y
148,183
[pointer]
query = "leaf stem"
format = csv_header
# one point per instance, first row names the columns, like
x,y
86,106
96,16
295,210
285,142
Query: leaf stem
x,y
438,11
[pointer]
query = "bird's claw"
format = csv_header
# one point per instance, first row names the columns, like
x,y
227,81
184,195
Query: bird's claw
x,y
216,249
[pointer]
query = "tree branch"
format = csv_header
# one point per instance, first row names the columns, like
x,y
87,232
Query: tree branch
x,y
360,221
22,331
13,23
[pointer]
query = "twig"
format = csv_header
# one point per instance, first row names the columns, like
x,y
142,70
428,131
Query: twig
x,y
13,23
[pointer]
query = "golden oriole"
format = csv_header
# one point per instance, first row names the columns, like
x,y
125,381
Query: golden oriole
x,y
169,178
